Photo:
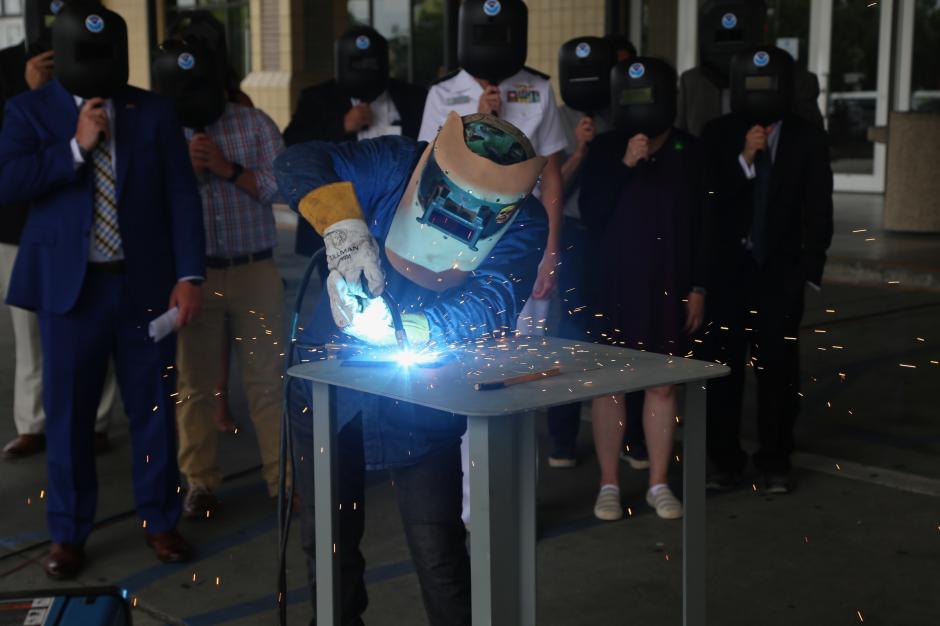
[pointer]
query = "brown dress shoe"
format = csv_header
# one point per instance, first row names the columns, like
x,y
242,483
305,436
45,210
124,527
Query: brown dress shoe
x,y
170,547
102,443
24,445
64,561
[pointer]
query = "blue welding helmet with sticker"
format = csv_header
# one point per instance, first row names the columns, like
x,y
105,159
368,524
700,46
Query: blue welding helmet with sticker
x,y
761,84
90,45
189,74
643,96
463,195
38,17
361,57
584,73
726,27
492,38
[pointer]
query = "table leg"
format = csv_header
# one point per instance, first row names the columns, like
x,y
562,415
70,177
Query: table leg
x,y
693,493
502,516
325,500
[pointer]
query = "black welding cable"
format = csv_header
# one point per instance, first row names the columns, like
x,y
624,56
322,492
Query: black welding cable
x,y
285,494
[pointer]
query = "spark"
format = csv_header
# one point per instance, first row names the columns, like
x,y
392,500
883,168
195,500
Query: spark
x,y
907,365
859,613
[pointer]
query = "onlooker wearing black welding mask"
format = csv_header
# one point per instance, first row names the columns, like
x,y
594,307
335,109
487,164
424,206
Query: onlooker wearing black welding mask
x,y
726,27
584,75
362,101
643,198
772,181
26,66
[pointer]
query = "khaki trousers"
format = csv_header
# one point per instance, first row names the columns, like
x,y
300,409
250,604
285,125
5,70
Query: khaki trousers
x,y
28,414
243,307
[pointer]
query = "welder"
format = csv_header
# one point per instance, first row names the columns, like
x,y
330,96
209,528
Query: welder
x,y
451,230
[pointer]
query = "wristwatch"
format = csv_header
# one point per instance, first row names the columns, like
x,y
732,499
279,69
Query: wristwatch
x,y
237,171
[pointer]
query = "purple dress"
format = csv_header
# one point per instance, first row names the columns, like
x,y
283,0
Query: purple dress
x,y
648,227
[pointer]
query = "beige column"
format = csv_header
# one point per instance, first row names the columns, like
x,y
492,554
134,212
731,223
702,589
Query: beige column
x,y
134,13
552,23
291,47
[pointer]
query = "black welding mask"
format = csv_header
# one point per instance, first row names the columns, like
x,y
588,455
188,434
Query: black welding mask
x,y
189,74
643,96
492,38
761,84
90,45
726,27
584,73
362,63
38,16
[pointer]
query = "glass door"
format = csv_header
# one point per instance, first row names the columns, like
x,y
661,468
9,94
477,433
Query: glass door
x,y
850,51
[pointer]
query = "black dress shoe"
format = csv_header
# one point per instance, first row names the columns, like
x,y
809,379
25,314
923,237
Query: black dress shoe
x,y
170,547
64,561
199,503
24,446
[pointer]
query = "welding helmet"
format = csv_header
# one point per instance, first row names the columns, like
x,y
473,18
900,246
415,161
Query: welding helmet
x,y
584,73
643,96
463,195
361,56
90,45
188,74
761,84
724,28
38,16
201,27
492,38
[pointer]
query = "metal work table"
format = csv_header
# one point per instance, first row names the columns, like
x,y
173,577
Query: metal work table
x,y
501,426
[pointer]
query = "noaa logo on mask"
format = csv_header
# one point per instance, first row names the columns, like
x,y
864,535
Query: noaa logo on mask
x,y
492,7
636,70
94,23
55,6
761,58
729,20
583,50
362,42
186,61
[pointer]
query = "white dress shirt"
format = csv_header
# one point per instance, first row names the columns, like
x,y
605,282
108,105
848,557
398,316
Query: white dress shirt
x,y
385,118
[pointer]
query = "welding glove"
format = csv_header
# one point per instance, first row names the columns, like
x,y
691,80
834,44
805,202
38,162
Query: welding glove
x,y
351,251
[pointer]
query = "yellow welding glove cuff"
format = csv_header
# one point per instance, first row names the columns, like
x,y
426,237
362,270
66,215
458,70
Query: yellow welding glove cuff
x,y
417,328
329,204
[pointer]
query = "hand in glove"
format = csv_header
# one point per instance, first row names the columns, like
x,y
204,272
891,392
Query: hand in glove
x,y
374,326
351,253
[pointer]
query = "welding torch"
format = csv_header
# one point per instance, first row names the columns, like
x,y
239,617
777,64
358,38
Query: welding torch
x,y
400,336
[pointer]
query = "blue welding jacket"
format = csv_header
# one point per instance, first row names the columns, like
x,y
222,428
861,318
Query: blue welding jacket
x,y
399,434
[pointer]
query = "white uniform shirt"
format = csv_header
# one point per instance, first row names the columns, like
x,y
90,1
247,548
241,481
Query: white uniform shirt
x,y
528,103
385,118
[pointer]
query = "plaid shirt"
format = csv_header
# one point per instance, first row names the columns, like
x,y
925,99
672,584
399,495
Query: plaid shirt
x,y
237,223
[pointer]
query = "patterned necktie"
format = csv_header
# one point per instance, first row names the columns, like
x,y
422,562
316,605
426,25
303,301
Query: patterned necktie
x,y
106,233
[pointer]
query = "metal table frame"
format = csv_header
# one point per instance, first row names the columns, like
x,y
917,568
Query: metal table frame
x,y
503,480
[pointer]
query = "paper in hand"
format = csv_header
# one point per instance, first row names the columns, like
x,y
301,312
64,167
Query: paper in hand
x,y
163,325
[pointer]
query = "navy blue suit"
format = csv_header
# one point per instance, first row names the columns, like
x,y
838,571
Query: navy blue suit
x,y
85,316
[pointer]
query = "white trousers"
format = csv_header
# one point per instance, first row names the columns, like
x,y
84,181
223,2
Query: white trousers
x,y
532,320
27,380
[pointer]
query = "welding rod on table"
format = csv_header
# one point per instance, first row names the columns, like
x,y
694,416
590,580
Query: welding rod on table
x,y
517,380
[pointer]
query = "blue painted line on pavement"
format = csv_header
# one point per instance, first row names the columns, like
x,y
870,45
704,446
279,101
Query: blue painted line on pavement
x,y
294,596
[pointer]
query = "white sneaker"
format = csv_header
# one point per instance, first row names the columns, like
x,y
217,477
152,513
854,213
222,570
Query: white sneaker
x,y
666,504
608,507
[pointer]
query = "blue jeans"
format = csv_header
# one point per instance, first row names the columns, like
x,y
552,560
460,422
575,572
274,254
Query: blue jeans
x,y
429,500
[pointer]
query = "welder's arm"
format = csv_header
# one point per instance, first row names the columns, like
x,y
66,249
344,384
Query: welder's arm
x,y
329,184
490,301
552,194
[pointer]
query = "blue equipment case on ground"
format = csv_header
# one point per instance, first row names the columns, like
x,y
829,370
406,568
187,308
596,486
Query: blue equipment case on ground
x,y
77,606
